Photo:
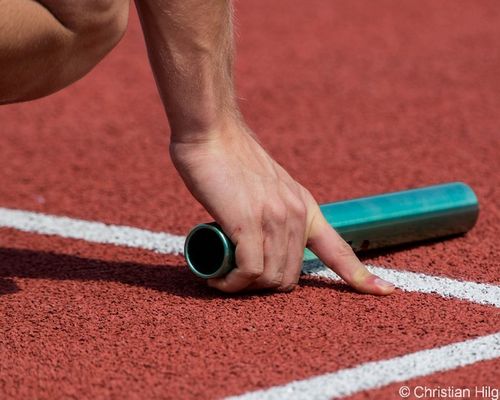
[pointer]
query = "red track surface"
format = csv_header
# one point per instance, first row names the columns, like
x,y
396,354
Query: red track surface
x,y
353,99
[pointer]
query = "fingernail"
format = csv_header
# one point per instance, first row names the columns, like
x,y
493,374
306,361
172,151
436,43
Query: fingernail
x,y
384,284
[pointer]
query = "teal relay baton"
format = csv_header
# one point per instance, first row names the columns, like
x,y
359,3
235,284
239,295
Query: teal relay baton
x,y
365,223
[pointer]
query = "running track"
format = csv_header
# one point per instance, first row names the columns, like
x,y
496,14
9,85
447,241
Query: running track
x,y
353,99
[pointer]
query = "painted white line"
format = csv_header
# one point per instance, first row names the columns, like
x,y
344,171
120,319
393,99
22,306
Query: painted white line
x,y
481,293
376,374
166,243
89,231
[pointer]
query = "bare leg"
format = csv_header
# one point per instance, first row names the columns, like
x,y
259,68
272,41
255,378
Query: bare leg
x,y
48,44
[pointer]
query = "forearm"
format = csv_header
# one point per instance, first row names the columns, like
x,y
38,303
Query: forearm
x,y
190,45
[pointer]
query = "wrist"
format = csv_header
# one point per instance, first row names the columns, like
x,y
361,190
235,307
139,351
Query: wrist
x,y
201,128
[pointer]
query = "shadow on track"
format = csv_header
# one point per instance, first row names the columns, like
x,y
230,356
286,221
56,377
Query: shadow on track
x,y
173,279
15,263
7,286
177,280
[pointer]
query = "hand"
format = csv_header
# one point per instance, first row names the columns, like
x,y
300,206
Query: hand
x,y
267,215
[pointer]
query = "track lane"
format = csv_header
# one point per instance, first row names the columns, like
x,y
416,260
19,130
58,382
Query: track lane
x,y
102,319
353,99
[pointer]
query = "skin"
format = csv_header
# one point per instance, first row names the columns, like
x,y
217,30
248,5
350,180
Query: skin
x,y
47,45
266,213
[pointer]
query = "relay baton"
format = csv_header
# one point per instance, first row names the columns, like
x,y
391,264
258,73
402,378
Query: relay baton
x,y
365,223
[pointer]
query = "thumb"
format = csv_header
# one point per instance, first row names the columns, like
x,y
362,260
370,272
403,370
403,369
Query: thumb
x,y
337,255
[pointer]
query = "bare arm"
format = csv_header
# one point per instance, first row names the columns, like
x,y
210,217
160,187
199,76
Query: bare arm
x,y
190,45
266,213
45,45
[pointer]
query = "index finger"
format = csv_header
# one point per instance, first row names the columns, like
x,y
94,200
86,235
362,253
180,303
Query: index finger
x,y
336,254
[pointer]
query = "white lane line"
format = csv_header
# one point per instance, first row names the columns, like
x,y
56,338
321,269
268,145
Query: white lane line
x,y
481,293
376,374
166,243
90,231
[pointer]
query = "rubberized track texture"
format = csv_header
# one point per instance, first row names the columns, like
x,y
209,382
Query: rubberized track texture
x,y
354,98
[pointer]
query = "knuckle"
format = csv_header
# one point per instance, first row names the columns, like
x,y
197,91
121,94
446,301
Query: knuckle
x,y
280,214
252,273
299,209
277,212
271,281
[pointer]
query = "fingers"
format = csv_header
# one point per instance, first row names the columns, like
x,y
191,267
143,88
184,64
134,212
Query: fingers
x,y
270,254
296,245
274,264
327,244
276,229
280,256
293,263
249,258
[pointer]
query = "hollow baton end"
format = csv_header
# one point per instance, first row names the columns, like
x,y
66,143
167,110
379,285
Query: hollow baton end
x,y
209,252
